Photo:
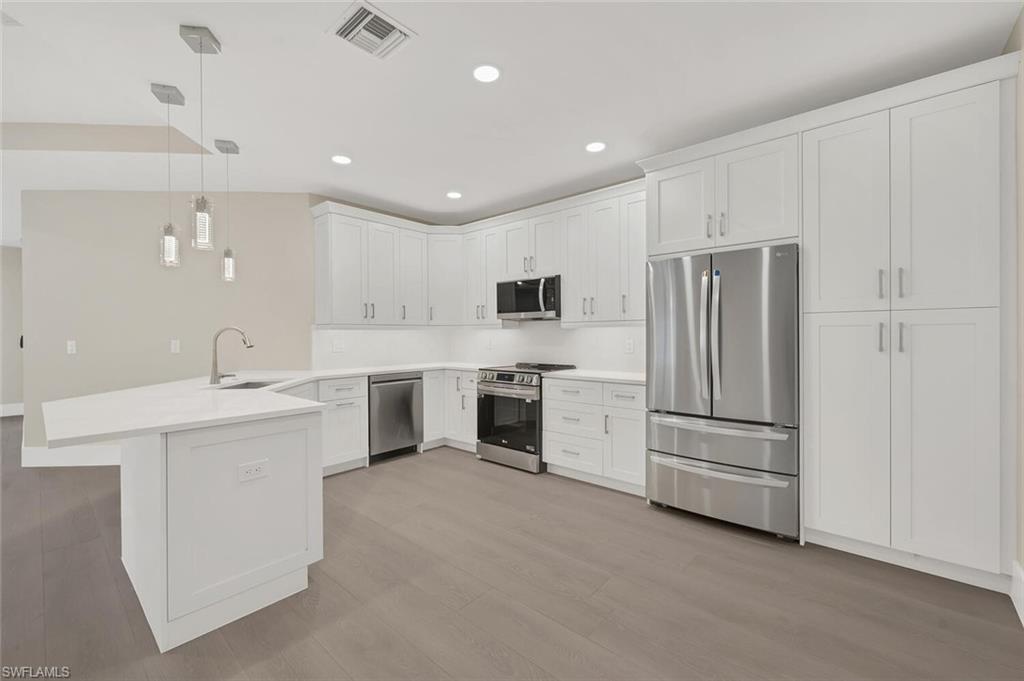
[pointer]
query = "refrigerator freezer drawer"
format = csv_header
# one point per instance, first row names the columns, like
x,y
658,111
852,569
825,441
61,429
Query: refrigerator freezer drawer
x,y
764,501
762,448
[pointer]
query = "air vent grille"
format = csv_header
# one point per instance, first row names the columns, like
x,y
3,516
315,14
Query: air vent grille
x,y
369,30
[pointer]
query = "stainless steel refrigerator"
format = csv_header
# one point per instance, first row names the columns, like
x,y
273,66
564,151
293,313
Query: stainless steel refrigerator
x,y
722,386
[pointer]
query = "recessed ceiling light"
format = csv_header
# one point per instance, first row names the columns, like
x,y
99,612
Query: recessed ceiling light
x,y
595,147
486,73
454,195
341,160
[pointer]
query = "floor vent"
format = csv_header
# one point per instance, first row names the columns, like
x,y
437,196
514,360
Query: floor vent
x,y
367,28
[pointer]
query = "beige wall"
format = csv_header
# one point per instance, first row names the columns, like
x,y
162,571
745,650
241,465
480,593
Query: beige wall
x,y
91,274
10,324
1016,43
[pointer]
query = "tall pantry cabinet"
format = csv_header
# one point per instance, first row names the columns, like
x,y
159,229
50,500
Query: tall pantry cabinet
x,y
901,328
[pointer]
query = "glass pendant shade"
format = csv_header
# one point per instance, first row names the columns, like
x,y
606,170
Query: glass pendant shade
x,y
169,247
202,224
227,271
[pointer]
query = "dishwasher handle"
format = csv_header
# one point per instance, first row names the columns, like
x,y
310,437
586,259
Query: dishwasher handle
x,y
406,377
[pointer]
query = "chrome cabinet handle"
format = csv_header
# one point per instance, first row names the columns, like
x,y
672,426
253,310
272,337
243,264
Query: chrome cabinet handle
x,y
881,336
900,335
606,424
463,403
707,223
623,396
364,310
570,452
570,392
574,419
343,388
345,404
702,340
533,264
403,311
881,284
458,383
623,303
479,314
584,306
526,267
373,311
431,313
899,280
721,223
591,305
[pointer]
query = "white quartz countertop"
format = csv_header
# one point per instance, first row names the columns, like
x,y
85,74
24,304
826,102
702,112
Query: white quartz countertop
x,y
193,403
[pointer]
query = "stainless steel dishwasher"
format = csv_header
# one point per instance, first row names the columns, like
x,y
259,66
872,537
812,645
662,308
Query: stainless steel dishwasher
x,y
396,412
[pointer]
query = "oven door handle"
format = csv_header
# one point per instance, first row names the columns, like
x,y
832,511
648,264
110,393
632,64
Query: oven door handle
x,y
500,391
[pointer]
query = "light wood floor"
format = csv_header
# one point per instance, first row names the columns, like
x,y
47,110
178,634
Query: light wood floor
x,y
439,566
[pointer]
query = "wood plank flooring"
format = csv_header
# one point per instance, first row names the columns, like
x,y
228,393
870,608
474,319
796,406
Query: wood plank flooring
x,y
439,566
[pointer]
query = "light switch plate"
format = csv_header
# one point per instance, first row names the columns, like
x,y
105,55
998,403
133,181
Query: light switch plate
x,y
253,470
629,346
175,346
337,345
72,347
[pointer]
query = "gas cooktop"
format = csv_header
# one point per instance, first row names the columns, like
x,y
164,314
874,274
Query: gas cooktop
x,y
532,367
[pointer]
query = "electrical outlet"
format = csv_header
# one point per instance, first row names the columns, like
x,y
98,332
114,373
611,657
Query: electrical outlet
x,y
175,346
253,470
337,345
72,347
629,346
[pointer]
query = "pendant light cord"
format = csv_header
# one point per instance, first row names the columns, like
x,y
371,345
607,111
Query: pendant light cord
x,y
202,137
169,207
227,199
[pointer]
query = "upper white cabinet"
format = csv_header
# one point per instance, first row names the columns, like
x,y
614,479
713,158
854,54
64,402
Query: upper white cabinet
x,y
742,196
517,248
412,277
340,270
945,200
945,435
633,256
447,279
484,254
533,248
382,287
846,216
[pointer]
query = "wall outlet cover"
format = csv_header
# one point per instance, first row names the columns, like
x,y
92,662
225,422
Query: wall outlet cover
x,y
629,346
175,346
337,345
253,470
72,347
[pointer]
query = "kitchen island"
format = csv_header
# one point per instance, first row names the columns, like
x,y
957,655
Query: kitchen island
x,y
221,496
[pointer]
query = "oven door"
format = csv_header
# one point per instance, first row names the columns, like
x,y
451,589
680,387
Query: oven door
x,y
509,417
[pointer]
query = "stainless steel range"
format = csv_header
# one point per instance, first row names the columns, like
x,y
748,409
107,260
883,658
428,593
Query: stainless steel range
x,y
509,414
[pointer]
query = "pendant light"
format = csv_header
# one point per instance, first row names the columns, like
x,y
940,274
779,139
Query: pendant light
x,y
202,41
227,265
170,255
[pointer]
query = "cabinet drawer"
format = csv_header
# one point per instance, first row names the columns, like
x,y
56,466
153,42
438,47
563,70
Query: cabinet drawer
x,y
572,391
306,391
585,420
342,388
625,395
577,453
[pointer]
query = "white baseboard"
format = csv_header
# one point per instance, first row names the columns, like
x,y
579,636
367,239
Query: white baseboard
x,y
12,409
1017,589
456,444
598,480
102,454
939,568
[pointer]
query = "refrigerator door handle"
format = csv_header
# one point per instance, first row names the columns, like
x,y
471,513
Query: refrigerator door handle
x,y
712,429
721,475
716,303
703,340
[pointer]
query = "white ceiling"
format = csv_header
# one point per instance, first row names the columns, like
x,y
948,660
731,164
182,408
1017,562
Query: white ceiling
x,y
644,78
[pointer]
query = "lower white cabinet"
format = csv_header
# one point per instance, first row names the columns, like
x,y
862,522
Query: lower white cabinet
x,y
460,406
597,430
346,434
902,431
433,406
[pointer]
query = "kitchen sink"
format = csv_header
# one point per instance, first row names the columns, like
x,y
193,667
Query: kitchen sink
x,y
251,385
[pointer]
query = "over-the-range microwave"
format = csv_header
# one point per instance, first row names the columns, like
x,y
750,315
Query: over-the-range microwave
x,y
530,298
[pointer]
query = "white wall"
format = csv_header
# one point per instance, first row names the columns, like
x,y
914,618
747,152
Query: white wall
x,y
588,348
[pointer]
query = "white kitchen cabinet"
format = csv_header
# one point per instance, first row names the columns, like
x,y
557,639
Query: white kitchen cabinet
x,y
625,432
484,253
382,287
578,266
412,277
547,242
476,274
757,192
945,200
633,256
845,424
446,298
681,208
460,406
340,270
517,249
846,216
494,271
945,435
346,434
606,245
433,406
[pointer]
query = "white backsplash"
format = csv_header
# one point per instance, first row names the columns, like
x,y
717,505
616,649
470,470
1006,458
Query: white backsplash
x,y
588,348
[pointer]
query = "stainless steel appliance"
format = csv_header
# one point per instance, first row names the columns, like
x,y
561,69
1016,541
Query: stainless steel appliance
x,y
530,298
509,414
722,386
396,412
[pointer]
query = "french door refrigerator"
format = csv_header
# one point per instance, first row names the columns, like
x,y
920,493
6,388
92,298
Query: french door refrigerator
x,y
722,386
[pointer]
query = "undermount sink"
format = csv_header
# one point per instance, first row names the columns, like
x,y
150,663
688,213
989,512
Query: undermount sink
x,y
251,385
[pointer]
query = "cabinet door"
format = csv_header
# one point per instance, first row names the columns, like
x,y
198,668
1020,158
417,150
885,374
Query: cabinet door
x,y
945,435
604,301
757,193
578,266
633,257
453,405
624,445
475,268
433,405
494,271
381,257
348,250
945,200
546,244
412,277
846,215
517,250
469,414
846,424
681,202
346,432
447,281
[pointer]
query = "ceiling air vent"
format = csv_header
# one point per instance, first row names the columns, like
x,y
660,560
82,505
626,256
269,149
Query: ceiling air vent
x,y
367,28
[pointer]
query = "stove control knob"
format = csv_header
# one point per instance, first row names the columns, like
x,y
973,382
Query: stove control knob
x,y
535,380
